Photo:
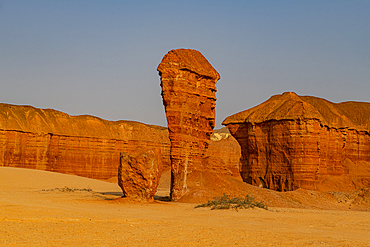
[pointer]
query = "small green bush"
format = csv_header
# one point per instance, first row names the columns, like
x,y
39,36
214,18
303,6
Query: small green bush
x,y
226,202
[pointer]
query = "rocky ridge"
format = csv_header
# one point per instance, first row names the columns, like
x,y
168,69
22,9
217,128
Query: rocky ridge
x,y
88,146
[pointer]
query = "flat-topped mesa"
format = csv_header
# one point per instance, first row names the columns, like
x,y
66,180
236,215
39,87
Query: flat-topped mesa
x,y
291,141
188,84
88,146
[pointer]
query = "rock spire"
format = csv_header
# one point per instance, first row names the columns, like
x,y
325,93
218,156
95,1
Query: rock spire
x,y
188,84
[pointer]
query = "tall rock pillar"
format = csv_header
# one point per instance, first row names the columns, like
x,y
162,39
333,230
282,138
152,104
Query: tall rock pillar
x,y
188,84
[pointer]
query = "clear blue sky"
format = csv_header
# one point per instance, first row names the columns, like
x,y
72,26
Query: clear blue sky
x,y
100,57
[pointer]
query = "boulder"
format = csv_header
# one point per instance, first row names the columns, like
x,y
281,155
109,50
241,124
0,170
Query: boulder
x,y
138,175
290,142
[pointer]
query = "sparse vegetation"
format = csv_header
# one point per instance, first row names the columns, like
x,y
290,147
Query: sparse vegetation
x,y
226,202
67,189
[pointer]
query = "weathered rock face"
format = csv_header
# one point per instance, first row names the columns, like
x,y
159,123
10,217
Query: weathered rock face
x,y
292,141
223,154
188,89
82,145
138,175
88,146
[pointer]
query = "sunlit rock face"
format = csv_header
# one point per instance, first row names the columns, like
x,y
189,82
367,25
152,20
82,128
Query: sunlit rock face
x,y
188,84
292,141
139,174
87,146
225,153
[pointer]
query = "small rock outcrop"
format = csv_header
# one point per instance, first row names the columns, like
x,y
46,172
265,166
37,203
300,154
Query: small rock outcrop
x,y
188,84
292,141
138,175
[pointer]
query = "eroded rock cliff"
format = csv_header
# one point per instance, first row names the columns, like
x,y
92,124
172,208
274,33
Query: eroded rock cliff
x,y
87,146
188,84
292,141
223,153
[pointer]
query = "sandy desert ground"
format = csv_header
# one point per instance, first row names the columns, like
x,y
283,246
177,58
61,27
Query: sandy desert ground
x,y
41,208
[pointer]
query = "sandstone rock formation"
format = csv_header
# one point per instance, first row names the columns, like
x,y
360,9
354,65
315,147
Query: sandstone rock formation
x,y
188,83
82,145
292,141
138,175
223,154
89,146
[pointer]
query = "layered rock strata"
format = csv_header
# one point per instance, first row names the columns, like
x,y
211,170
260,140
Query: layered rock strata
x,y
188,84
138,175
223,154
292,141
82,145
88,146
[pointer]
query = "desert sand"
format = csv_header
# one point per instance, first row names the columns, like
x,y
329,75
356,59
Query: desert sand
x,y
40,208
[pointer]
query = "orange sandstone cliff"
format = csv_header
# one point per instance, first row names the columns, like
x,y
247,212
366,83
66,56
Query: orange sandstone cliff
x,y
88,146
223,153
188,84
292,141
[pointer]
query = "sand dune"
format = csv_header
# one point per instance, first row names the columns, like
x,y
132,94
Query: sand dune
x,y
41,208
17,178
